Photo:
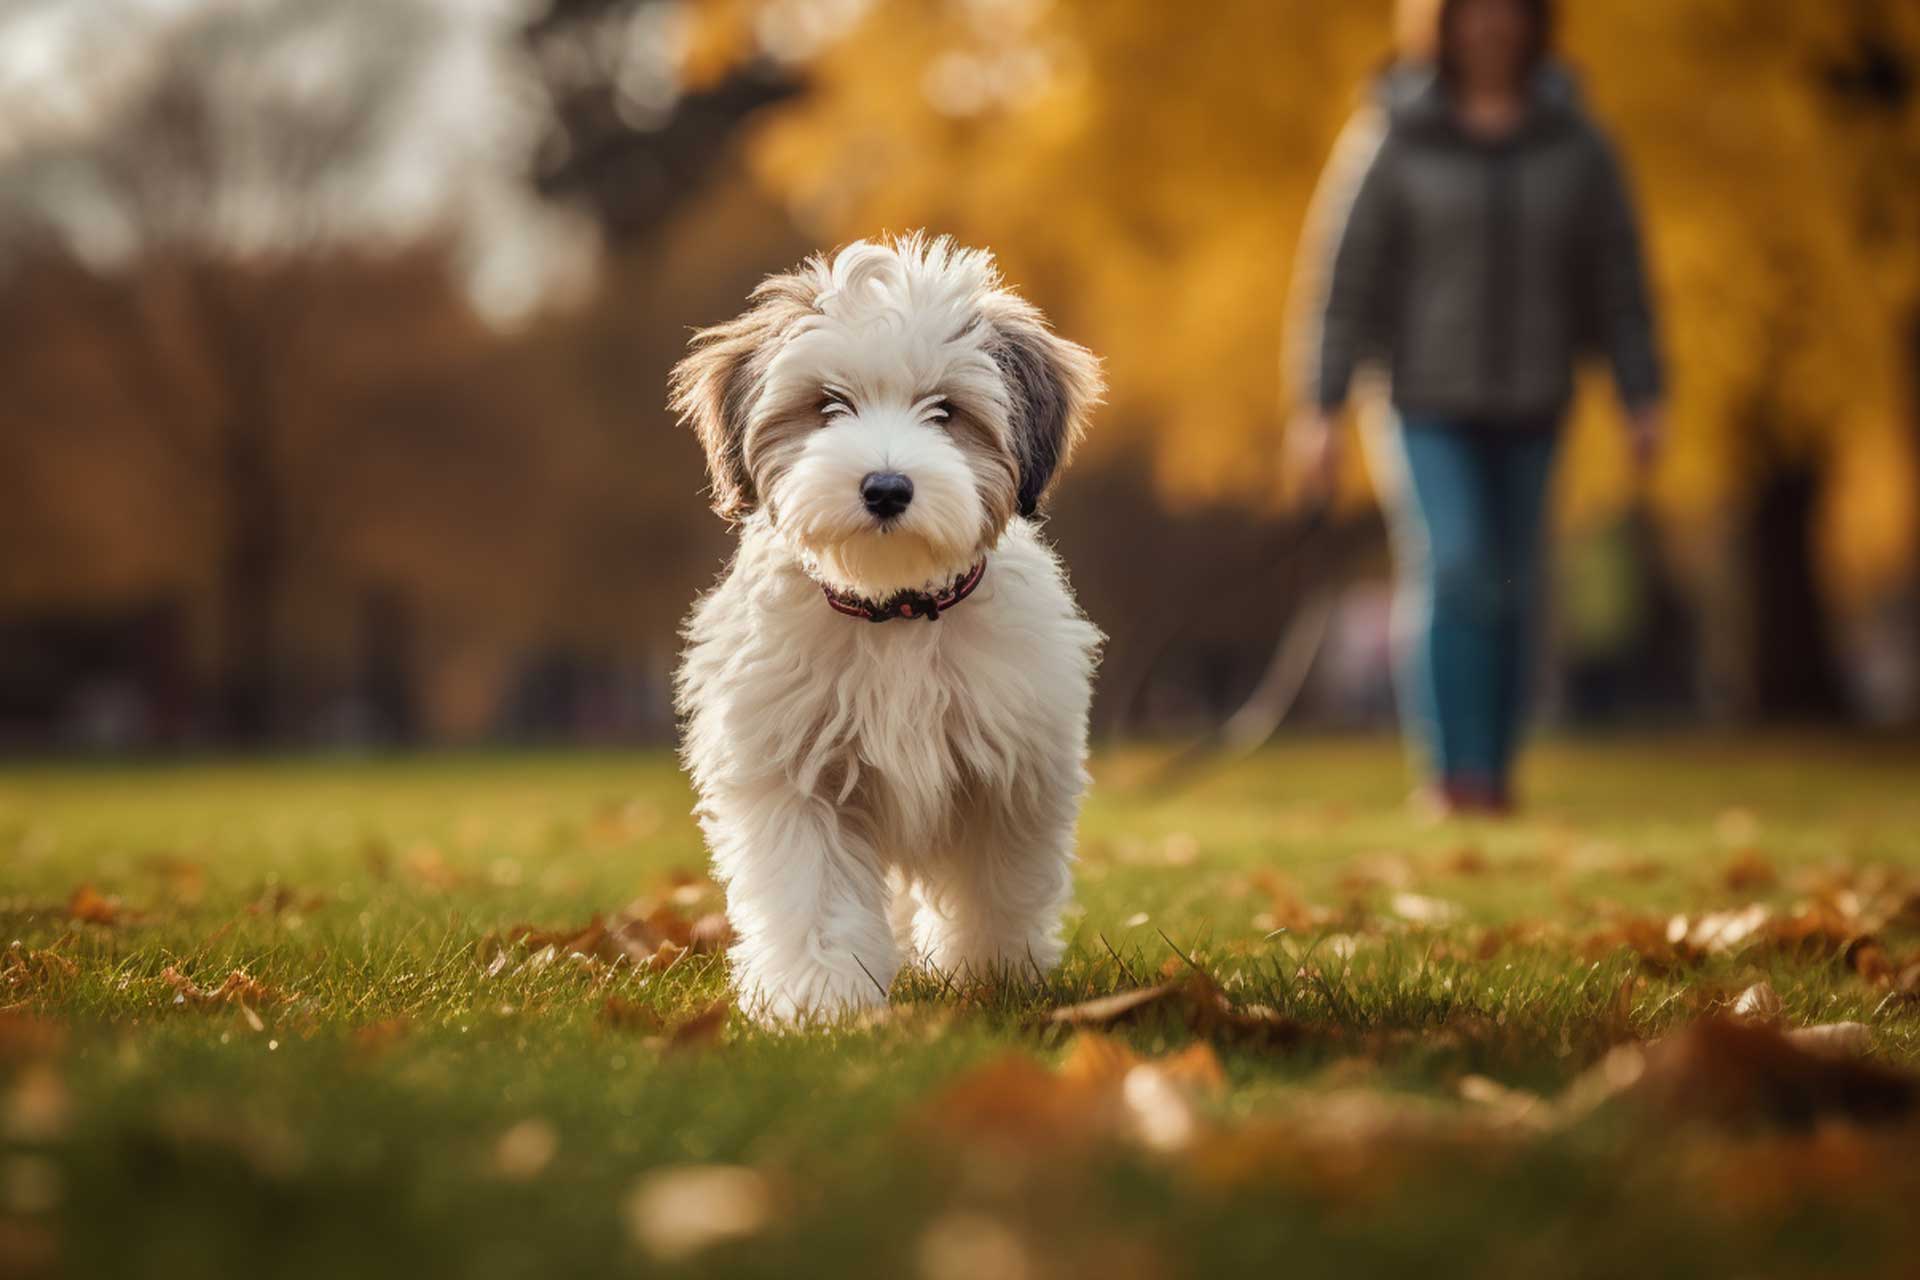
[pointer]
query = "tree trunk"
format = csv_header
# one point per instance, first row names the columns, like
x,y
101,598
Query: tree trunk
x,y
251,573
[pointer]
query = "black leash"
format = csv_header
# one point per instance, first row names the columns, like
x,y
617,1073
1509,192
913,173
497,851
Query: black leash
x,y
1274,697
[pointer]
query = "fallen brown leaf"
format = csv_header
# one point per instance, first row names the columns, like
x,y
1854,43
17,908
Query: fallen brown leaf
x,y
1741,1073
645,936
239,990
630,1015
1286,908
23,970
185,880
1759,1003
1868,958
711,934
1388,871
1102,1091
703,1029
1907,914
427,865
1111,1009
1197,1002
89,906
1834,1039
1748,871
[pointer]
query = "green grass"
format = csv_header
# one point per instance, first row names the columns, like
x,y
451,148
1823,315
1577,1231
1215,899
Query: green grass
x,y
399,1111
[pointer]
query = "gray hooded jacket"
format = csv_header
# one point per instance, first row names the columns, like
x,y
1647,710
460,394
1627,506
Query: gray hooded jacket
x,y
1477,272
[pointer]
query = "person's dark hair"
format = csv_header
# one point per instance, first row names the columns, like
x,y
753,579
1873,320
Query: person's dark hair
x,y
1540,11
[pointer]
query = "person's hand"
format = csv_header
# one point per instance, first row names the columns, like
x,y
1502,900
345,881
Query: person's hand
x,y
1311,455
1646,436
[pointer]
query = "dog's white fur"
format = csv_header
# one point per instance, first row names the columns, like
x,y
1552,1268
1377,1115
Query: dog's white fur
x,y
875,795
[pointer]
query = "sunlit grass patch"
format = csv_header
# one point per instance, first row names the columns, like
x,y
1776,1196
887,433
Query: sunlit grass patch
x,y
467,1016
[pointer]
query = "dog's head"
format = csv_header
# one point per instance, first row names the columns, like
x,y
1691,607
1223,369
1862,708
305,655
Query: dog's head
x,y
890,408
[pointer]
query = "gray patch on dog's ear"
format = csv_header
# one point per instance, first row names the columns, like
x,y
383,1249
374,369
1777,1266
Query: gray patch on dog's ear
x,y
714,387
1054,385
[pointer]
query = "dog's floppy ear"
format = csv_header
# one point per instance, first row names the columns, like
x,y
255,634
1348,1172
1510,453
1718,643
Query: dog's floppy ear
x,y
1054,385
715,386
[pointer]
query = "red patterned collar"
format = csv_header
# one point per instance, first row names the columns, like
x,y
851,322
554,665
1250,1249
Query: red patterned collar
x,y
909,604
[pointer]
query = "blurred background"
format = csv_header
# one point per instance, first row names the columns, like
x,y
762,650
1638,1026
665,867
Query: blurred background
x,y
334,334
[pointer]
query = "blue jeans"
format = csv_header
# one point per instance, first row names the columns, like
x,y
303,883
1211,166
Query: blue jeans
x,y
1468,536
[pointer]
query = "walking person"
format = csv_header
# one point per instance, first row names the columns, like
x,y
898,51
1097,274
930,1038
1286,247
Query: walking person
x,y
1474,236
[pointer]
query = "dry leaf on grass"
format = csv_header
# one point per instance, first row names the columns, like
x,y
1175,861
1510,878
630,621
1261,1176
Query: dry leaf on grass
x,y
630,1015
1868,957
1390,871
430,868
24,970
89,906
184,880
1197,1003
1749,870
1813,930
1834,1039
1286,908
1739,1073
1102,1092
239,990
1759,1003
676,1213
647,937
703,1029
1107,1010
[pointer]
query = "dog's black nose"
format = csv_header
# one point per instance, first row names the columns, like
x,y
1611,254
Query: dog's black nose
x,y
886,493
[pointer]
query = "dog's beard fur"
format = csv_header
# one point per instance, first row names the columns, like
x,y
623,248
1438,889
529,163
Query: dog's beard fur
x,y
815,501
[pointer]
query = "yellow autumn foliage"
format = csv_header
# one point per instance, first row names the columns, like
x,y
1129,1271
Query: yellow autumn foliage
x,y
1143,169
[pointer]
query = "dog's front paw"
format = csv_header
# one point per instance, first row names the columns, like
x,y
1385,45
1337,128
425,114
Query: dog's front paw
x,y
800,994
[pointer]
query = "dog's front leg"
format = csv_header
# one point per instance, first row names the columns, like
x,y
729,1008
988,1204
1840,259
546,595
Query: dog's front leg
x,y
990,908
808,900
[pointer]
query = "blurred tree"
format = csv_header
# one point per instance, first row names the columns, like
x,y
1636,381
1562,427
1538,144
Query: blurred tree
x,y
629,137
222,163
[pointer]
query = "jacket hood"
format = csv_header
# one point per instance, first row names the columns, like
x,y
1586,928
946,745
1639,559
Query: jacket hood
x,y
1414,96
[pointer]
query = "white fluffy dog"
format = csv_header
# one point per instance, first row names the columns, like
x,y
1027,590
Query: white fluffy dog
x,y
882,425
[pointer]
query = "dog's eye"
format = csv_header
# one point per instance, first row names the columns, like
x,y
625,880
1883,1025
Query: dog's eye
x,y
833,403
943,410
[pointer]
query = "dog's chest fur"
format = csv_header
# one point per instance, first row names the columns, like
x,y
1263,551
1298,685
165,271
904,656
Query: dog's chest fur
x,y
907,727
